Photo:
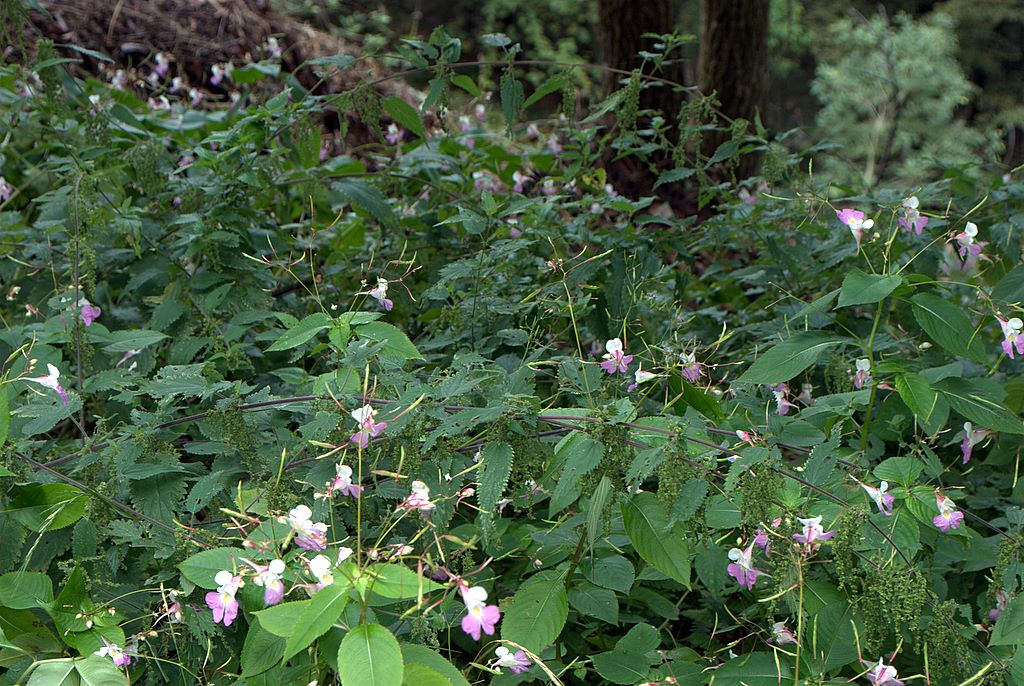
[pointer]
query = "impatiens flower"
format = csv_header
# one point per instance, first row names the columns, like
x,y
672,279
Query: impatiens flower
x,y
553,146
308,535
380,294
479,615
548,188
639,377
966,244
912,220
615,359
342,483
5,189
320,567
781,634
273,47
195,96
418,499
127,356
51,381
90,313
519,179
219,72
806,396
747,437
394,134
949,517
782,403
269,577
516,662
480,111
367,427
855,220
883,675
163,63
972,437
222,601
1012,338
121,658
692,369
882,499
761,538
119,80
1001,600
741,568
812,532
863,374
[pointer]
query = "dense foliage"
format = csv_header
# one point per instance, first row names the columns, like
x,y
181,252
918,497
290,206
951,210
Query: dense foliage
x,y
447,409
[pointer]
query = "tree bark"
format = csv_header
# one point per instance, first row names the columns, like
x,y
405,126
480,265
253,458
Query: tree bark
x,y
733,64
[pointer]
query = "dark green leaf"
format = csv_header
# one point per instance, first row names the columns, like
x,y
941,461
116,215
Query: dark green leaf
x,y
789,358
860,288
948,326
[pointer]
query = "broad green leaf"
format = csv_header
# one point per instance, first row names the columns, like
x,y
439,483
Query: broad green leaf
x,y
203,566
537,613
301,332
580,454
641,638
622,668
593,601
61,673
22,590
421,675
692,396
421,655
754,669
789,358
614,572
674,175
396,343
46,507
948,326
317,617
368,198
512,99
968,398
553,84
1010,289
596,508
134,339
99,671
1009,630
281,620
261,650
918,395
667,550
405,114
835,640
861,288
398,581
370,656
467,84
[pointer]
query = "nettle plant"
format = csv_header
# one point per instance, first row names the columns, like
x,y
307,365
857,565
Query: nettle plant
x,y
452,410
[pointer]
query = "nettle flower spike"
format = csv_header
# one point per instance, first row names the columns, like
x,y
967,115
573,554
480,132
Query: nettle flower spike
x,y
615,359
1012,338
367,427
812,533
309,535
854,219
51,381
882,499
912,221
741,568
862,376
479,615
883,675
222,601
949,517
972,437
516,662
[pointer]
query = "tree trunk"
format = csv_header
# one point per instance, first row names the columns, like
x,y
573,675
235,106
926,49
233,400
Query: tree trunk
x,y
733,64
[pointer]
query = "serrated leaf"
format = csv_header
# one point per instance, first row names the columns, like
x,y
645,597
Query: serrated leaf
x,y
371,657
1009,630
512,99
301,332
861,288
317,617
787,359
580,454
405,114
665,549
551,85
622,668
948,326
398,581
24,590
368,198
537,613
918,395
496,460
822,462
46,507
261,650
596,510
135,339
674,175
467,84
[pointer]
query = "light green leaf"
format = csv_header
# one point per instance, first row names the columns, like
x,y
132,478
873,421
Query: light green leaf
x,y
421,655
968,399
261,650
405,114
98,671
861,288
400,582
396,343
23,590
317,617
46,507
665,549
918,395
134,339
281,620
60,673
789,358
301,332
537,613
371,657
467,84
421,675
203,566
948,326
622,668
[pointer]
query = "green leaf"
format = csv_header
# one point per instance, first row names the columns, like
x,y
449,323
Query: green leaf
x,y
23,590
641,638
371,657
860,288
203,566
280,620
596,509
467,84
592,601
1010,289
396,343
835,640
317,617
47,507
98,671
692,396
400,582
968,398
512,98
789,358
580,454
421,655
724,152
1009,630
674,175
261,650
5,415
622,668
614,572
496,461
899,470
421,675
927,405
755,669
368,198
301,332
134,339
948,326
553,84
665,549
61,673
537,613
405,114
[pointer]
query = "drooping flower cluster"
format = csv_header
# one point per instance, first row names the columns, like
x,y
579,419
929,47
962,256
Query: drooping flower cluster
x,y
854,219
812,533
222,601
615,359
742,568
479,615
912,221
309,535
368,428
949,517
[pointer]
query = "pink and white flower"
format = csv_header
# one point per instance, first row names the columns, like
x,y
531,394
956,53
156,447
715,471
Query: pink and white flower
x,y
394,134
309,535
811,533
1001,600
120,658
519,179
972,437
882,499
862,375
782,403
615,358
781,634
269,577
380,293
418,498
640,377
949,517
479,615
273,48
90,312
883,675
966,245
912,220
516,662
222,601
1012,338
741,568
854,219
320,568
5,190
692,369
342,483
219,72
368,428
553,146
51,381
